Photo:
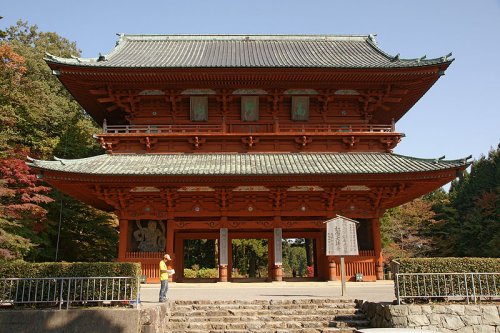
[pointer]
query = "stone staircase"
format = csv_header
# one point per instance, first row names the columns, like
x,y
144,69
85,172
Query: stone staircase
x,y
279,316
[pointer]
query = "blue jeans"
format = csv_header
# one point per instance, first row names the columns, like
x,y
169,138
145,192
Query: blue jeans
x,y
163,290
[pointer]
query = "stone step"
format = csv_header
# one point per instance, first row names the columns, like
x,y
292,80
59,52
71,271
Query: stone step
x,y
292,323
263,302
280,316
310,306
261,312
302,330
268,317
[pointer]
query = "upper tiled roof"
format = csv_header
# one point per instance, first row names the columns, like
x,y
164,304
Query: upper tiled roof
x,y
221,164
258,51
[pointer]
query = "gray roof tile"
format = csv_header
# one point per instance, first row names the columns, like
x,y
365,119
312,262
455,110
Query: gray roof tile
x,y
225,164
209,51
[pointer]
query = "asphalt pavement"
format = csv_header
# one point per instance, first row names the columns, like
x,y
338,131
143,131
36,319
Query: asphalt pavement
x,y
379,291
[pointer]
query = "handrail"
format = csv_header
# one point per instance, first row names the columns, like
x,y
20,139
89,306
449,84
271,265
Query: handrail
x,y
447,285
246,128
69,290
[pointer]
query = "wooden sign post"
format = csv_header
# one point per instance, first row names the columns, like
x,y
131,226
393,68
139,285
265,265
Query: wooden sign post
x,y
341,240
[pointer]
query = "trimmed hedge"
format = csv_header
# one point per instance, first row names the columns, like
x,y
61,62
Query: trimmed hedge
x,y
449,265
203,273
442,286
80,292
23,269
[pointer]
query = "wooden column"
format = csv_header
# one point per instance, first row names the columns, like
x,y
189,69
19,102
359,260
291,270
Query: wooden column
x,y
122,243
377,247
278,254
223,254
170,246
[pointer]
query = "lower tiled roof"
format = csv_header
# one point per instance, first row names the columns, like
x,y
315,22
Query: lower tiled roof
x,y
246,164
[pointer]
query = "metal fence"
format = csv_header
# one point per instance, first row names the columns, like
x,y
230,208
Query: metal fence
x,y
448,286
74,291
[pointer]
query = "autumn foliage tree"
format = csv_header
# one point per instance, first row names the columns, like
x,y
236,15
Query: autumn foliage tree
x,y
407,229
22,218
39,118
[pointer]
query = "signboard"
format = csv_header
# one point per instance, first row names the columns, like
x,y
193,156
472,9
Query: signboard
x,y
341,239
278,246
223,247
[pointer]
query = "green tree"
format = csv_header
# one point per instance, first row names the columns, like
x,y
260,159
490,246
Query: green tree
x,y
476,199
250,256
40,118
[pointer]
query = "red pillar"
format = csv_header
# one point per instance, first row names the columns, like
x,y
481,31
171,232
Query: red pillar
x,y
122,243
377,246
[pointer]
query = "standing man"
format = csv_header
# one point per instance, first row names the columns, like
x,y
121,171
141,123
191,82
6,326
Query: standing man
x,y
164,277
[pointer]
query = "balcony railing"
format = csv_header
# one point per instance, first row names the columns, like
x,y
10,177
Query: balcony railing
x,y
247,128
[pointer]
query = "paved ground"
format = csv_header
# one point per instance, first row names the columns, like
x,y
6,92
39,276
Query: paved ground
x,y
380,291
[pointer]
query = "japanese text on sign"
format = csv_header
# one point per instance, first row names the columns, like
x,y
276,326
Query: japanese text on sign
x,y
341,239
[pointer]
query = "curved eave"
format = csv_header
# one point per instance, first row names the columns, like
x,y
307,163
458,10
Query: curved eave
x,y
79,80
227,165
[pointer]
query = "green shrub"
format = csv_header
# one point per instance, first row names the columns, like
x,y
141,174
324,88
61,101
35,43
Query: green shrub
x,y
203,273
449,265
26,291
189,273
23,269
440,284
208,273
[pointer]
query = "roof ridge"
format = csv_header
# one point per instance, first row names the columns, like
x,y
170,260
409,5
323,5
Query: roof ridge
x,y
244,37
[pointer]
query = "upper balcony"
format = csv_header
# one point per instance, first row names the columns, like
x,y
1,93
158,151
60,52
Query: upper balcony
x,y
246,128
241,137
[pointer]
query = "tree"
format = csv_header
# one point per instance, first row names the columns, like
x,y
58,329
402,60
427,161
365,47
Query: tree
x,y
249,256
407,229
476,199
40,118
22,219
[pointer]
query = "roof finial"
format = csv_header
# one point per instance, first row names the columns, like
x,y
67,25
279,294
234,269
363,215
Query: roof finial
x,y
445,58
372,38
421,58
121,36
101,57
396,57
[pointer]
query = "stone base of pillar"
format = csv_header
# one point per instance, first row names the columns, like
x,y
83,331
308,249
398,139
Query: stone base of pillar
x,y
222,273
332,271
278,273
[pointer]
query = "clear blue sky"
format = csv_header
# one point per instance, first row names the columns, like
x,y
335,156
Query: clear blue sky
x,y
459,116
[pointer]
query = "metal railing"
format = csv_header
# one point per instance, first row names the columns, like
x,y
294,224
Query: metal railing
x,y
76,291
448,286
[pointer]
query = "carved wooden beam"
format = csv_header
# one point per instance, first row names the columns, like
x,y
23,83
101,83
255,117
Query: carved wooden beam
x,y
196,142
303,141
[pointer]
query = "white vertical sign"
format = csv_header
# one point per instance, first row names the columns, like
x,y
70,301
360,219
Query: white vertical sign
x,y
223,247
341,238
278,252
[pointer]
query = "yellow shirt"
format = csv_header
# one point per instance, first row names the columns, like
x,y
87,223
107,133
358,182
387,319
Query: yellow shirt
x,y
163,267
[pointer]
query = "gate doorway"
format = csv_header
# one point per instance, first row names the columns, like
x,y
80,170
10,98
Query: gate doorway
x,y
249,259
196,257
299,259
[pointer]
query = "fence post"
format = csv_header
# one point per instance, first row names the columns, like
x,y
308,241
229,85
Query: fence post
x,y
397,289
69,289
466,289
473,288
61,294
